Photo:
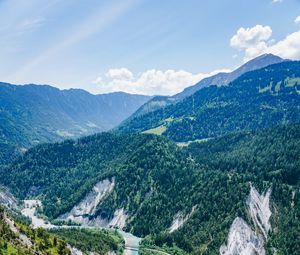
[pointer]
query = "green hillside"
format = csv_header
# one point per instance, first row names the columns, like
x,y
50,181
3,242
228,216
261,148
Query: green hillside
x,y
16,237
258,99
156,179
179,176
34,114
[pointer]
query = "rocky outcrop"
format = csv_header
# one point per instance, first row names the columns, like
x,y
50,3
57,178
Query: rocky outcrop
x,y
179,219
242,240
89,204
25,240
29,210
259,209
85,212
74,250
119,219
7,199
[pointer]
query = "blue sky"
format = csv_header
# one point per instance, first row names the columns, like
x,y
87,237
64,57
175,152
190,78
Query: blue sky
x,y
139,46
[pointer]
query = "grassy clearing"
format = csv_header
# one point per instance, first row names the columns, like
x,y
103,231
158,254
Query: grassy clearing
x,y
266,89
156,131
291,82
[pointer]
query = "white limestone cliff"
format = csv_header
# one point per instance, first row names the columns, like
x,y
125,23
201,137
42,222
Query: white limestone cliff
x,y
242,240
89,204
7,199
119,219
179,219
85,212
259,209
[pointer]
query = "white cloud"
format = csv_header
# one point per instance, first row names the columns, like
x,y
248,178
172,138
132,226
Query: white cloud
x,y
247,37
150,82
297,20
277,1
120,74
257,40
289,47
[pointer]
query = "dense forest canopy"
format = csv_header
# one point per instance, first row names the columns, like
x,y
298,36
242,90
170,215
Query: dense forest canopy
x,y
156,179
33,114
258,99
198,163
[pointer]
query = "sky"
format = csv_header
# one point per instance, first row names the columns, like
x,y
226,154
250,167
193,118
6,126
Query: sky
x,y
153,47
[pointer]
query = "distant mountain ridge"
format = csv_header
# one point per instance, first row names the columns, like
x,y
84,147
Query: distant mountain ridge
x,y
258,99
225,78
214,173
31,114
217,79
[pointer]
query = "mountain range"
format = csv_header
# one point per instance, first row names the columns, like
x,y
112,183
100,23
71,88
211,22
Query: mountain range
x,y
257,99
219,79
214,170
33,114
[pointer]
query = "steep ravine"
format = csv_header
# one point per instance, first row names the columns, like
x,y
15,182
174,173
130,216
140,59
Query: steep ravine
x,y
7,199
242,239
85,213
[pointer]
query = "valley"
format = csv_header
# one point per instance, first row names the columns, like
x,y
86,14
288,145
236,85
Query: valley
x,y
137,127
216,172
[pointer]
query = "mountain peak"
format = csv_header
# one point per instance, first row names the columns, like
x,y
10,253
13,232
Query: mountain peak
x,y
225,78
266,56
260,62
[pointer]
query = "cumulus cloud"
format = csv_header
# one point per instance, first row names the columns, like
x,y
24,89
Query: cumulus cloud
x,y
252,40
150,82
119,73
247,37
289,47
297,20
257,40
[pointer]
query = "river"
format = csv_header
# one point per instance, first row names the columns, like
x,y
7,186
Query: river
x,y
131,242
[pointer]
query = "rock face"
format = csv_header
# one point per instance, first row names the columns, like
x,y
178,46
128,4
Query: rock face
x,y
89,204
74,250
179,219
29,210
85,212
119,219
7,199
25,240
242,240
259,210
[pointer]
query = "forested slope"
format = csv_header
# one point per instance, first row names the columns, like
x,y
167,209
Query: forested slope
x,y
155,180
220,79
33,114
16,237
256,100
